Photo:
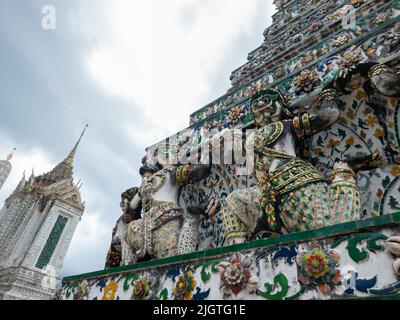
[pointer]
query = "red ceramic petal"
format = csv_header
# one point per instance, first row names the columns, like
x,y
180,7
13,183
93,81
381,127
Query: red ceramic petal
x,y
304,280
236,289
324,288
315,246
246,263
235,256
337,278
334,255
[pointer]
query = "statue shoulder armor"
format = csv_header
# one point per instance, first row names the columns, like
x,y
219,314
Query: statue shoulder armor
x,y
268,135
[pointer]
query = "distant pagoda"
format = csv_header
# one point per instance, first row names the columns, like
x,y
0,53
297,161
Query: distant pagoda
x,y
5,169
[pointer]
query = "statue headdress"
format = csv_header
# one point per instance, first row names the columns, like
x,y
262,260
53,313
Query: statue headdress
x,y
271,96
130,193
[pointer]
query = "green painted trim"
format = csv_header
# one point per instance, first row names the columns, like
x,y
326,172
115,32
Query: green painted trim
x,y
51,242
327,232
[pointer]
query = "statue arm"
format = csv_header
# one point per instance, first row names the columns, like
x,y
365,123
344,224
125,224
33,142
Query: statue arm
x,y
135,202
191,173
306,125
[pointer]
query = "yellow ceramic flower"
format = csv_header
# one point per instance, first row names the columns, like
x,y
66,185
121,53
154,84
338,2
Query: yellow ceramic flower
x,y
184,287
110,290
372,121
350,141
361,95
379,133
316,264
395,171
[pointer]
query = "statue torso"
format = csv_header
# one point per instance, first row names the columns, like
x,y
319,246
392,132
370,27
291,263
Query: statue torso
x,y
277,137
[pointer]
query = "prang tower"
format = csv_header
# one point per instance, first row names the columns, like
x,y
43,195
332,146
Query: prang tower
x,y
37,223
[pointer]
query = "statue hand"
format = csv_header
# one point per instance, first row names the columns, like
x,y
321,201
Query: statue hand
x,y
364,163
213,207
377,160
385,81
328,112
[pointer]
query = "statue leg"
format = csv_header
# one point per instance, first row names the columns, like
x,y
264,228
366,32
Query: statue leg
x,y
165,239
189,234
305,208
344,195
127,253
132,242
240,214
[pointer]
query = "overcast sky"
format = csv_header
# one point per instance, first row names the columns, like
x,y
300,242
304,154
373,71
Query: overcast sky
x,y
133,70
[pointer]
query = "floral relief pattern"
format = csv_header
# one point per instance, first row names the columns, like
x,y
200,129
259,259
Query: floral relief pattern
x,y
141,288
184,287
110,291
319,268
378,46
306,270
237,276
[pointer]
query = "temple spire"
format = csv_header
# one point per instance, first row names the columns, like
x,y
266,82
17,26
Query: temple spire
x,y
63,170
10,156
71,155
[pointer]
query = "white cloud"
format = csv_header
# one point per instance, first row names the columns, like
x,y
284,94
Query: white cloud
x,y
89,245
25,159
162,54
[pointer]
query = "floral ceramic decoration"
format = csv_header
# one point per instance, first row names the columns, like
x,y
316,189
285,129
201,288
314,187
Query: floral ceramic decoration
x,y
305,35
328,70
141,288
235,114
380,18
391,39
393,245
318,268
341,40
236,276
82,291
349,61
110,291
306,81
308,58
184,287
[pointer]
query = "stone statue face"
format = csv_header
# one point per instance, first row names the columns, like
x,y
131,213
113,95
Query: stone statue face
x,y
266,112
266,109
124,204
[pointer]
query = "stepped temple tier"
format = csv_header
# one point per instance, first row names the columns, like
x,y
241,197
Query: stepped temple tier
x,y
302,202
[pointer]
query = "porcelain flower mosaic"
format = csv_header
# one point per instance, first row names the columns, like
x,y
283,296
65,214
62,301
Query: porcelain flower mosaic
x,y
236,276
319,268
184,287
141,288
